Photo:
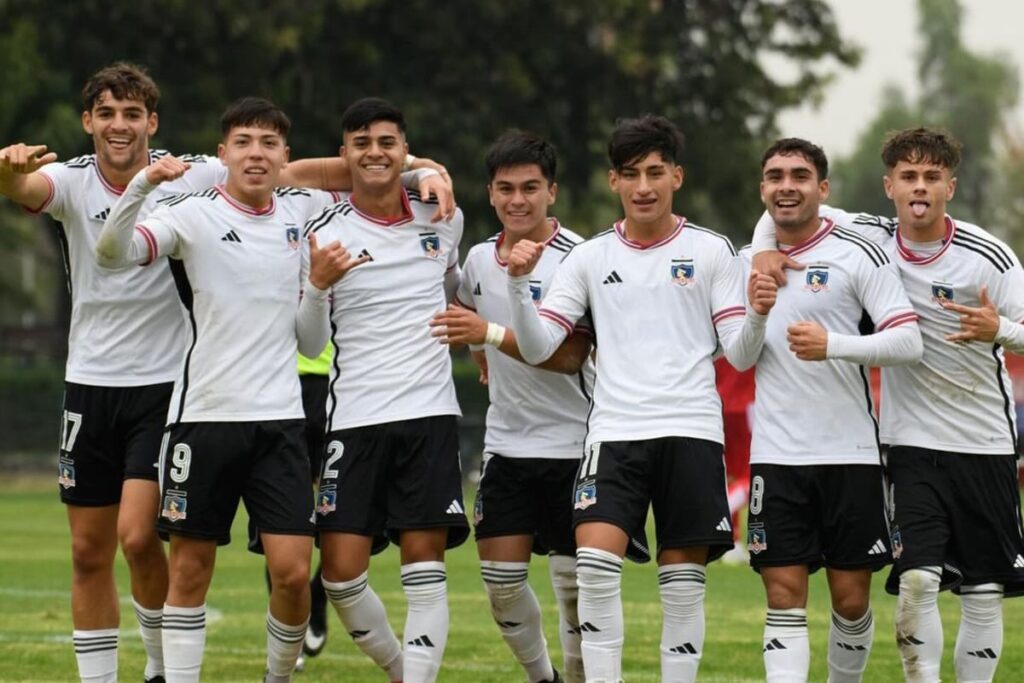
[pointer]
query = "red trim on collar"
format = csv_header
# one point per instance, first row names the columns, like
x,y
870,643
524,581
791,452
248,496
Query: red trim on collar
x,y
109,186
919,260
620,231
386,221
244,208
821,233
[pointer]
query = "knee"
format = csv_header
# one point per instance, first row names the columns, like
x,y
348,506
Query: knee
x,y
982,605
90,557
786,594
190,574
919,586
851,606
292,579
601,578
140,544
504,595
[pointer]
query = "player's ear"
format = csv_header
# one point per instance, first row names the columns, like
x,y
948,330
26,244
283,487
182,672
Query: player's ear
x,y
490,193
552,193
677,177
152,123
287,154
887,183
951,188
613,180
87,122
824,189
221,151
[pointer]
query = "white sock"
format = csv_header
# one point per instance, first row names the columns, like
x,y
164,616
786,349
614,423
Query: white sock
x,y
363,615
516,611
184,638
150,623
563,580
787,649
96,653
980,640
682,627
918,626
426,621
849,645
284,645
599,577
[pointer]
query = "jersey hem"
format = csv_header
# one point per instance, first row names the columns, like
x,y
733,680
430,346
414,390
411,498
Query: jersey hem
x,y
536,455
132,381
336,426
236,417
952,449
802,461
599,437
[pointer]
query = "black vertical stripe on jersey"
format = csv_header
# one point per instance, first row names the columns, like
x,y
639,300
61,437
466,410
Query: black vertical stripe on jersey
x,y
583,384
332,402
184,288
870,406
65,253
1007,402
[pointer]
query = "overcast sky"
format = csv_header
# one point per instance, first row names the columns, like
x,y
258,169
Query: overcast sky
x,y
886,30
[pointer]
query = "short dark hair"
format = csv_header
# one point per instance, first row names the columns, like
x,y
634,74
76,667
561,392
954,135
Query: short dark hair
x,y
368,110
519,148
125,81
255,111
635,138
808,150
921,145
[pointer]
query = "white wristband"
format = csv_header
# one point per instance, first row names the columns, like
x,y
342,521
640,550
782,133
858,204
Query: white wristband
x,y
495,334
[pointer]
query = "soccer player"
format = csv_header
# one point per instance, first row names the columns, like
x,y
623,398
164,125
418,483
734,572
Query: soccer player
x,y
817,488
392,459
537,419
949,420
235,425
663,293
115,403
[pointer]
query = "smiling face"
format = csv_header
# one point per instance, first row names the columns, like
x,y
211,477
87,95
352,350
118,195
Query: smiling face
x,y
920,191
254,157
120,131
792,192
375,156
521,196
646,186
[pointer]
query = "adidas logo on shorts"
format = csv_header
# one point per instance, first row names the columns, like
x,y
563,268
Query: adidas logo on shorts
x,y
724,525
455,508
878,548
1018,563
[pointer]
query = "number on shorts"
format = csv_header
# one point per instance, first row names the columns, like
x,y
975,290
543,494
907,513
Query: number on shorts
x,y
181,461
588,468
756,494
335,450
69,430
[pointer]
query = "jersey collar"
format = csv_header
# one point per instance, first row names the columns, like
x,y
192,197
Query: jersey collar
x,y
501,239
620,231
386,221
243,208
821,233
924,259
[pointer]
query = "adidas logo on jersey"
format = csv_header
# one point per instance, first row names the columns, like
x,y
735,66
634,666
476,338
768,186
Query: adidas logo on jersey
x,y
878,548
102,215
455,508
476,290
613,278
366,254
684,649
724,525
422,641
1019,562
232,236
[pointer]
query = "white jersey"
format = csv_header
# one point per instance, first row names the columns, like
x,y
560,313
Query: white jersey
x,y
239,276
654,309
387,367
820,412
959,398
534,413
126,325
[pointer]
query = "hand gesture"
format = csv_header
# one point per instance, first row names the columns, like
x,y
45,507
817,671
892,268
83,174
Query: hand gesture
x,y
774,264
24,159
761,292
524,257
808,340
458,325
976,324
166,168
440,186
328,265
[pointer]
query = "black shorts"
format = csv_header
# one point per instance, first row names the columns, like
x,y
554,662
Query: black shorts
x,y
314,405
527,496
818,515
380,480
682,479
107,435
207,467
957,511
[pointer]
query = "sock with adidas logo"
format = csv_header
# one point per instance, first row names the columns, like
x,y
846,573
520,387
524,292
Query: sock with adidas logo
x,y
849,645
363,615
918,625
787,648
516,611
980,639
426,621
563,582
599,577
682,628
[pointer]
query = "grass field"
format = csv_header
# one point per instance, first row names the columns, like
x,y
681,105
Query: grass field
x,y
35,626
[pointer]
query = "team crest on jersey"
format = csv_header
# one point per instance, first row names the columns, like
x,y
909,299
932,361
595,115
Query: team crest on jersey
x,y
817,279
291,234
326,500
66,473
942,292
682,271
586,495
535,292
896,541
757,538
431,244
175,505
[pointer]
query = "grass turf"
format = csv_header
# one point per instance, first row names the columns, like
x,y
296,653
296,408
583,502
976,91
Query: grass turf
x,y
35,624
